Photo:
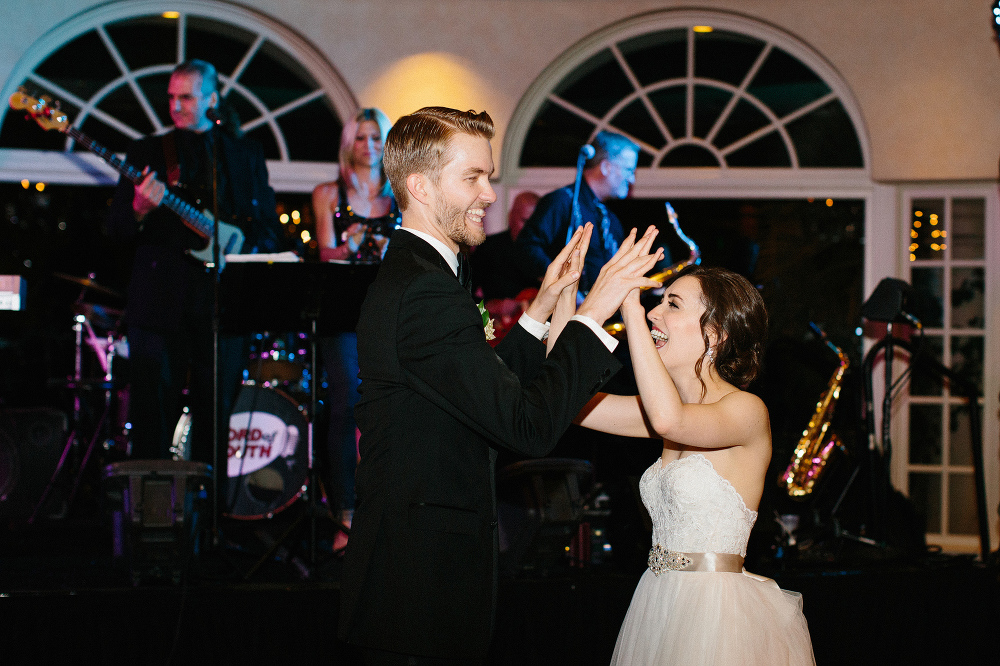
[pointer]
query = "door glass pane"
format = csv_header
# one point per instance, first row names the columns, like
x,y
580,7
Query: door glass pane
x,y
925,493
960,439
926,217
925,434
962,518
929,283
967,287
967,359
925,382
968,228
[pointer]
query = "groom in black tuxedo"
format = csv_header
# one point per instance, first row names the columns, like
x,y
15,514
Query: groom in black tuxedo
x,y
420,571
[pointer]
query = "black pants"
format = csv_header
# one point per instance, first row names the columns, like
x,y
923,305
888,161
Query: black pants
x,y
162,366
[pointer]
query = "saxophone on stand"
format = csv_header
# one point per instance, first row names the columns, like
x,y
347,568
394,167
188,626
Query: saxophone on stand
x,y
812,453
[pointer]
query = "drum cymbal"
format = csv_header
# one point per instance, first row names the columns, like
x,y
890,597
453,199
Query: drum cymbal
x,y
268,369
99,315
83,384
88,283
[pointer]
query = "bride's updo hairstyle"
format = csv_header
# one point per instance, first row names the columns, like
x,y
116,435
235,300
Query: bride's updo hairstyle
x,y
735,312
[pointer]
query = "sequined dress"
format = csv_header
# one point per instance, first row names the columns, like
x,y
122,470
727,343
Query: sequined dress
x,y
698,618
344,217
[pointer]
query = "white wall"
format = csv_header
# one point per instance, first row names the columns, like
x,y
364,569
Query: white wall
x,y
926,73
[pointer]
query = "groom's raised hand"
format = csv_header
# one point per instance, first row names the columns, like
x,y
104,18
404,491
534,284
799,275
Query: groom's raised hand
x,y
623,273
562,274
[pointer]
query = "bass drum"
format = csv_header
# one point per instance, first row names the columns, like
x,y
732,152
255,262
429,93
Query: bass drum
x,y
267,457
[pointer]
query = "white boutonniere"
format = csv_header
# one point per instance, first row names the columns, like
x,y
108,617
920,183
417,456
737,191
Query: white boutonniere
x,y
487,322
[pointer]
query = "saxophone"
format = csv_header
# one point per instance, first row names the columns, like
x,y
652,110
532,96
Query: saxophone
x,y
695,252
812,453
694,257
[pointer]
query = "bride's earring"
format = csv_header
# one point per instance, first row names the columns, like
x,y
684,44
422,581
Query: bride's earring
x,y
710,354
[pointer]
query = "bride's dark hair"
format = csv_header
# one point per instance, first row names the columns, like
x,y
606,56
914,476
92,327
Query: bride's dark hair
x,y
735,312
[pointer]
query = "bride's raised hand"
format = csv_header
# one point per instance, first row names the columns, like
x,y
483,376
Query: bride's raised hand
x,y
625,272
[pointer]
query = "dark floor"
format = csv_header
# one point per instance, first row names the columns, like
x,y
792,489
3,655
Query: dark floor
x,y
64,598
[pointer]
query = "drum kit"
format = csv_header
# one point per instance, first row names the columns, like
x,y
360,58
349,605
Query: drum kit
x,y
270,465
267,457
268,460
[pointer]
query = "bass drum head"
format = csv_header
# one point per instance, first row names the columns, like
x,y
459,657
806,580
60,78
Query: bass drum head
x,y
267,462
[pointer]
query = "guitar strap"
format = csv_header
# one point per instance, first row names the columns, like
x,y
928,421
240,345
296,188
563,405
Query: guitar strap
x,y
170,157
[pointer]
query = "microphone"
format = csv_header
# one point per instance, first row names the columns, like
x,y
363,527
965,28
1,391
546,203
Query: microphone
x,y
212,113
587,151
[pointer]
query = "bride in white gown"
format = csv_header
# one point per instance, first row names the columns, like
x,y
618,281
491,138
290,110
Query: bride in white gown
x,y
696,604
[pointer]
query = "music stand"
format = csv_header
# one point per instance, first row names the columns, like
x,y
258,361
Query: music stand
x,y
894,301
287,297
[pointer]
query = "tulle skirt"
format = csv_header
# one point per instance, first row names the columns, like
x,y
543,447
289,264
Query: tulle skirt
x,y
702,618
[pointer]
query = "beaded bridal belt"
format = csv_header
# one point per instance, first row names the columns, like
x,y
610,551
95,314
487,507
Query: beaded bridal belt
x,y
661,559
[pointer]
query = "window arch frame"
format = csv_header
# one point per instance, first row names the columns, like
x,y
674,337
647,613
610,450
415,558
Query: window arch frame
x,y
540,90
78,168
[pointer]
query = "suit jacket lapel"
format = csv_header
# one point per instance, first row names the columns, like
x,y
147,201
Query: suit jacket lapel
x,y
421,248
404,240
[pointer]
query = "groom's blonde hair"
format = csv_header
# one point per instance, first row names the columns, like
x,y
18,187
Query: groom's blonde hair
x,y
420,143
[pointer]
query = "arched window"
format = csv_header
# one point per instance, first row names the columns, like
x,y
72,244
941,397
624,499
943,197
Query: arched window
x,y
109,69
693,89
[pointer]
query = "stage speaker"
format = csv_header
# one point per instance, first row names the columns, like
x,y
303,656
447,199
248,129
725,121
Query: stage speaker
x,y
31,441
157,515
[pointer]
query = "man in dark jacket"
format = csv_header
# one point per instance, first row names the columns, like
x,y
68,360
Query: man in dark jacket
x,y
420,571
170,301
607,175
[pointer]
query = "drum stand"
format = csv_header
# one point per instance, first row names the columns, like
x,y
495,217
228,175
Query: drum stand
x,y
105,355
326,297
278,547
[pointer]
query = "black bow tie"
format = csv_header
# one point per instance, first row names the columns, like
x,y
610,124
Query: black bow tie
x,y
464,274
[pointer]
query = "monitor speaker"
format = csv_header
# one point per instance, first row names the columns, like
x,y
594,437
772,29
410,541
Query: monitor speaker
x,y
31,440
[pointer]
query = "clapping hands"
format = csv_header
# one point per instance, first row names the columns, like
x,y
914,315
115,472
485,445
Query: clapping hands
x,y
562,275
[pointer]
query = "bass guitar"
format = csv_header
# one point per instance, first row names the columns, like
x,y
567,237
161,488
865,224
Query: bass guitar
x,y
200,222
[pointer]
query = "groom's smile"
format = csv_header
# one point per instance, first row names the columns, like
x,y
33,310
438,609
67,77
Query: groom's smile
x,y
463,191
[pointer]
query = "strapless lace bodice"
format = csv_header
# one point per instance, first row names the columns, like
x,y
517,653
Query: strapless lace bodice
x,y
694,509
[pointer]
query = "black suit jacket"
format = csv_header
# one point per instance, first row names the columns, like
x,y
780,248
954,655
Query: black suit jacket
x,y
421,566
495,268
168,288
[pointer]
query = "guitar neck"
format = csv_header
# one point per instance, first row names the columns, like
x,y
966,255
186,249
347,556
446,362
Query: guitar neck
x,y
193,219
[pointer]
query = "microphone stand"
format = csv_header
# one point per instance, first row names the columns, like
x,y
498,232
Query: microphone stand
x,y
586,152
215,324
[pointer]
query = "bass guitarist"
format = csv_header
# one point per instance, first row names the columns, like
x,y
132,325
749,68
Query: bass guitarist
x,y
170,295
